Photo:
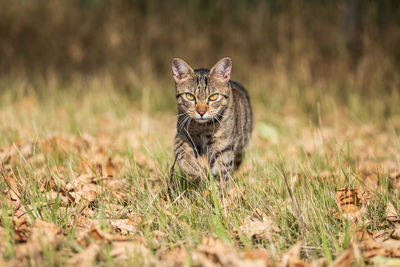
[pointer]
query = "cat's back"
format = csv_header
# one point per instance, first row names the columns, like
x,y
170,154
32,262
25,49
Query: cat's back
x,y
242,104
239,90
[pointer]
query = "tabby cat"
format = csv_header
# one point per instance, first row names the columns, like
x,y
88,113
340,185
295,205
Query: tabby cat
x,y
214,118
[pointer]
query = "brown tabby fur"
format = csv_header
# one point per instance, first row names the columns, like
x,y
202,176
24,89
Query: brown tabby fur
x,y
219,129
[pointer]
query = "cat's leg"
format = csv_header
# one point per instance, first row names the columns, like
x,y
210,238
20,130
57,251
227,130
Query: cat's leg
x,y
238,158
186,157
221,160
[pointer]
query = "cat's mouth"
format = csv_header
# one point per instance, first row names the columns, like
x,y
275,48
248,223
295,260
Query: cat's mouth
x,y
202,120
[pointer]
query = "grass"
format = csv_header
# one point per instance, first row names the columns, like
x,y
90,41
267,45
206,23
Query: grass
x,y
307,144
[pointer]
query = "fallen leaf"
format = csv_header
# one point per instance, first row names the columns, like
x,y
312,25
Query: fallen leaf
x,y
349,204
122,251
391,213
99,235
395,179
344,259
258,254
215,252
259,230
396,231
86,257
389,248
45,234
292,257
90,195
13,194
176,257
52,196
21,228
392,248
382,235
42,236
124,226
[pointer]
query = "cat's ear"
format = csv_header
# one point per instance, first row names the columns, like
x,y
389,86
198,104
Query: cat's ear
x,y
180,69
222,69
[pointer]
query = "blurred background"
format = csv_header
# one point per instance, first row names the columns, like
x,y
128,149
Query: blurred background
x,y
353,44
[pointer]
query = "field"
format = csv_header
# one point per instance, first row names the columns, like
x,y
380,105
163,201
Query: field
x,y
86,180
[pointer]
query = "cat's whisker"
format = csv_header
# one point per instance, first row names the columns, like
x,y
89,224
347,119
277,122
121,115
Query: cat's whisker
x,y
218,120
220,115
182,123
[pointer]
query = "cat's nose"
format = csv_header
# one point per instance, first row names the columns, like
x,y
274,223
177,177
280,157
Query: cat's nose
x,y
201,112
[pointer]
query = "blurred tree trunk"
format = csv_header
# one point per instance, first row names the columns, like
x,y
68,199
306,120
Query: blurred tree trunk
x,y
352,30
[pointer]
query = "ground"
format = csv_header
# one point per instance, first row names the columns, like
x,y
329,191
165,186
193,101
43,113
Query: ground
x,y
86,180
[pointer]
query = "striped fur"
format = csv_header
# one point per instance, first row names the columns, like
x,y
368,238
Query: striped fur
x,y
219,128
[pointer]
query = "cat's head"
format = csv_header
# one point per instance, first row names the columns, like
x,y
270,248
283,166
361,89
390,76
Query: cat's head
x,y
202,94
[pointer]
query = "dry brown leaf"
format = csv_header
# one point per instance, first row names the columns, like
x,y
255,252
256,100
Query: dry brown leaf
x,y
5,157
389,248
382,235
13,194
99,235
122,251
395,177
52,196
99,165
80,182
292,257
21,228
396,231
83,188
90,195
259,230
321,262
361,235
86,257
214,252
392,248
176,257
16,149
372,248
350,204
391,213
345,259
111,168
20,217
157,237
258,254
124,226
43,235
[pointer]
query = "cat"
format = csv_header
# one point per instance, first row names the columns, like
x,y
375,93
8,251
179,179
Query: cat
x,y
215,119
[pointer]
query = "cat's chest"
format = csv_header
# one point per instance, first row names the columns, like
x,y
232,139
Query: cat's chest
x,y
204,142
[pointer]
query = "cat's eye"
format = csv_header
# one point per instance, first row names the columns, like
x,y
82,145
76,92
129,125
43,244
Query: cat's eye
x,y
213,97
190,97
